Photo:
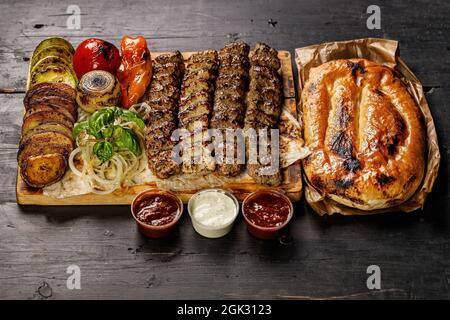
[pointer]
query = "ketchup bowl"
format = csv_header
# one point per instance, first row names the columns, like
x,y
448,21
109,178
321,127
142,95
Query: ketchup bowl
x,y
156,212
266,212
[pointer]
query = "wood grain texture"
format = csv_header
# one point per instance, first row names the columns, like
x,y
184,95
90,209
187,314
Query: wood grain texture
x,y
291,182
319,257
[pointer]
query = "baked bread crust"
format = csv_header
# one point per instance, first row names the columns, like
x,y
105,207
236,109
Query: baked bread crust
x,y
366,134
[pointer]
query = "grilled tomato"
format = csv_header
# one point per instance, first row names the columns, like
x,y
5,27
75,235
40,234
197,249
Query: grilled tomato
x,y
135,71
95,54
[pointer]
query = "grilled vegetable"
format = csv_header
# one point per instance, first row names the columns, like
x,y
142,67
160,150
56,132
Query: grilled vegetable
x,y
50,114
42,157
95,54
45,90
43,169
42,117
135,71
45,138
54,41
47,127
45,94
52,51
53,73
111,136
49,107
98,89
52,62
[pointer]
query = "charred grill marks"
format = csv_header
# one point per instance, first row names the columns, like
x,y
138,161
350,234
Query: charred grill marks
x,y
162,96
229,100
264,102
196,106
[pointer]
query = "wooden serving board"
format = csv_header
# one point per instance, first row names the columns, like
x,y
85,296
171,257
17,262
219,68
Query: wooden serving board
x,y
291,185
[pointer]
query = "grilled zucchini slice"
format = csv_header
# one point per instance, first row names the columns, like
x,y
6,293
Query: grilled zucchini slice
x,y
54,41
49,51
58,72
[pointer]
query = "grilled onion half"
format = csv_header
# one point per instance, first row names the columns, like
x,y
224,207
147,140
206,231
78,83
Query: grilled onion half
x,y
98,89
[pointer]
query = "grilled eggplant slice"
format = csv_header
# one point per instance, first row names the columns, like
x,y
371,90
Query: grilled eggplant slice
x,y
47,127
47,89
39,118
45,138
70,106
49,107
41,170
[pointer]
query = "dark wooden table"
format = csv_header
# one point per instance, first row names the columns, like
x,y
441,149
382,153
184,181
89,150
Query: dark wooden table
x,y
321,257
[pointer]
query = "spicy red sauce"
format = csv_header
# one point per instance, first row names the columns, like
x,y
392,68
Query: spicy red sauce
x,y
156,209
267,210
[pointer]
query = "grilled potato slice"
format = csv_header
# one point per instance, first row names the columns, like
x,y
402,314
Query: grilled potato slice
x,y
39,118
47,127
44,169
53,73
54,41
57,51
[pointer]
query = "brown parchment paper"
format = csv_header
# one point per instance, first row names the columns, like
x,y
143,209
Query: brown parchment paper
x,y
385,52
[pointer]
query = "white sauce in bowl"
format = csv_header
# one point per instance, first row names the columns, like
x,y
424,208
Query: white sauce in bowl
x,y
212,212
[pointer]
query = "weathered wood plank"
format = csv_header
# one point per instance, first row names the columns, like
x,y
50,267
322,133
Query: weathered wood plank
x,y
196,25
38,244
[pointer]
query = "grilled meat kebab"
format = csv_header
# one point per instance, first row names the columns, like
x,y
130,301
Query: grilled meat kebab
x,y
196,101
163,96
264,105
229,99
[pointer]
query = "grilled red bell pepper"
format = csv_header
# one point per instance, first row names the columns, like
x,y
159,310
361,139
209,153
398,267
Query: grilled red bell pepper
x,y
135,71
